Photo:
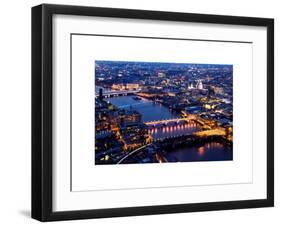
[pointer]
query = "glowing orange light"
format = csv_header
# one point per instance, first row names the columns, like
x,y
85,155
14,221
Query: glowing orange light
x,y
201,151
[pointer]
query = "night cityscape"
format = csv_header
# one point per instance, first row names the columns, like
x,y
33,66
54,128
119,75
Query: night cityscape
x,y
152,112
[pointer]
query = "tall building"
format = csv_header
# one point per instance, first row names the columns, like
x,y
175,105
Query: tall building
x,y
199,84
190,86
100,94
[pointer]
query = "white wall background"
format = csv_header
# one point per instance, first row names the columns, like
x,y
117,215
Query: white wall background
x,y
15,113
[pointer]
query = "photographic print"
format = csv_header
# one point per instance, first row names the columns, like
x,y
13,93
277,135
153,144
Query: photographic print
x,y
162,112
130,107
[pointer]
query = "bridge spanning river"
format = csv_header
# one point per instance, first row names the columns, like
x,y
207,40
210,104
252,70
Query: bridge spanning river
x,y
115,93
166,128
167,121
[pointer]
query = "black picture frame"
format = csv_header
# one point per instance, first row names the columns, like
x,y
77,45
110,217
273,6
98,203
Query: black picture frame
x,y
42,106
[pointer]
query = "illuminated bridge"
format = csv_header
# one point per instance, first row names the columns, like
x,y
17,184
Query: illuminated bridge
x,y
167,128
115,93
167,121
172,128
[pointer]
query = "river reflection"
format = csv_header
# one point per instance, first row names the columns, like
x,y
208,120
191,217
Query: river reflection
x,y
211,151
167,131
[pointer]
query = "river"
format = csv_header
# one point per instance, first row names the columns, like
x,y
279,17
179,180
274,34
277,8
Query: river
x,y
211,151
150,110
